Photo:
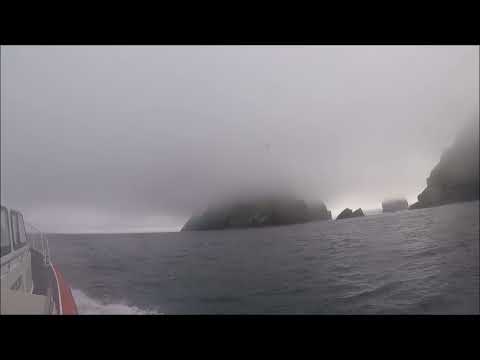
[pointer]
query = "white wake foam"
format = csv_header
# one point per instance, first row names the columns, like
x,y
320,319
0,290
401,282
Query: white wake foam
x,y
89,306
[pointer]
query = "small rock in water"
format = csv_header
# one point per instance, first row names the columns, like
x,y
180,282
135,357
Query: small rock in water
x,y
348,213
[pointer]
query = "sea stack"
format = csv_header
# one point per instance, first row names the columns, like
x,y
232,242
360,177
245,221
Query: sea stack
x,y
456,177
392,205
348,213
358,213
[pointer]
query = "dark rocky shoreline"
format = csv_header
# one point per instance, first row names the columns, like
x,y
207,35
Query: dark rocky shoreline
x,y
258,213
454,179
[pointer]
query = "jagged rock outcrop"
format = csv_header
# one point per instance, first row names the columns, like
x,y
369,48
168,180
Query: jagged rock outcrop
x,y
257,213
456,177
358,212
392,205
348,213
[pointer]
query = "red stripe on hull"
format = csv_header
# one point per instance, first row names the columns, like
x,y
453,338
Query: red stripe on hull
x,y
69,307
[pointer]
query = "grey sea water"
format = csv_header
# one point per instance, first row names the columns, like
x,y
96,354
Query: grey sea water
x,y
411,262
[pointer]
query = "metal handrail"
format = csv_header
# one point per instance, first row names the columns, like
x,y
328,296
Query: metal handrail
x,y
40,243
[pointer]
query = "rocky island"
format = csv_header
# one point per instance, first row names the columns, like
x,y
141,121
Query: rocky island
x,y
258,212
348,213
456,177
392,205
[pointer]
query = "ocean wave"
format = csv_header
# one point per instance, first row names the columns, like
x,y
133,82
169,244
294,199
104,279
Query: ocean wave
x,y
88,306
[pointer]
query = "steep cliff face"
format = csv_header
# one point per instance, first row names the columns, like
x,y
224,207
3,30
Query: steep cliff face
x,y
257,213
456,177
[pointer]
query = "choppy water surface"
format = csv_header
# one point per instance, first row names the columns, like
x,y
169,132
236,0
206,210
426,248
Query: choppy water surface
x,y
420,261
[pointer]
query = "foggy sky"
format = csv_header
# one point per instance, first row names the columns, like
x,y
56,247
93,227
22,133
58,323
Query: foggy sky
x,y
133,138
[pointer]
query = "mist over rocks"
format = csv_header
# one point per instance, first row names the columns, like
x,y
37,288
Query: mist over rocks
x,y
319,211
172,135
392,205
257,212
456,177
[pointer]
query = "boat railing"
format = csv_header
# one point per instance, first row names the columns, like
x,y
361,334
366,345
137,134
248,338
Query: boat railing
x,y
38,241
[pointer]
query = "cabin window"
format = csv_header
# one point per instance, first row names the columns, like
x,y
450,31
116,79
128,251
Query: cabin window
x,y
14,225
19,237
6,246
21,229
